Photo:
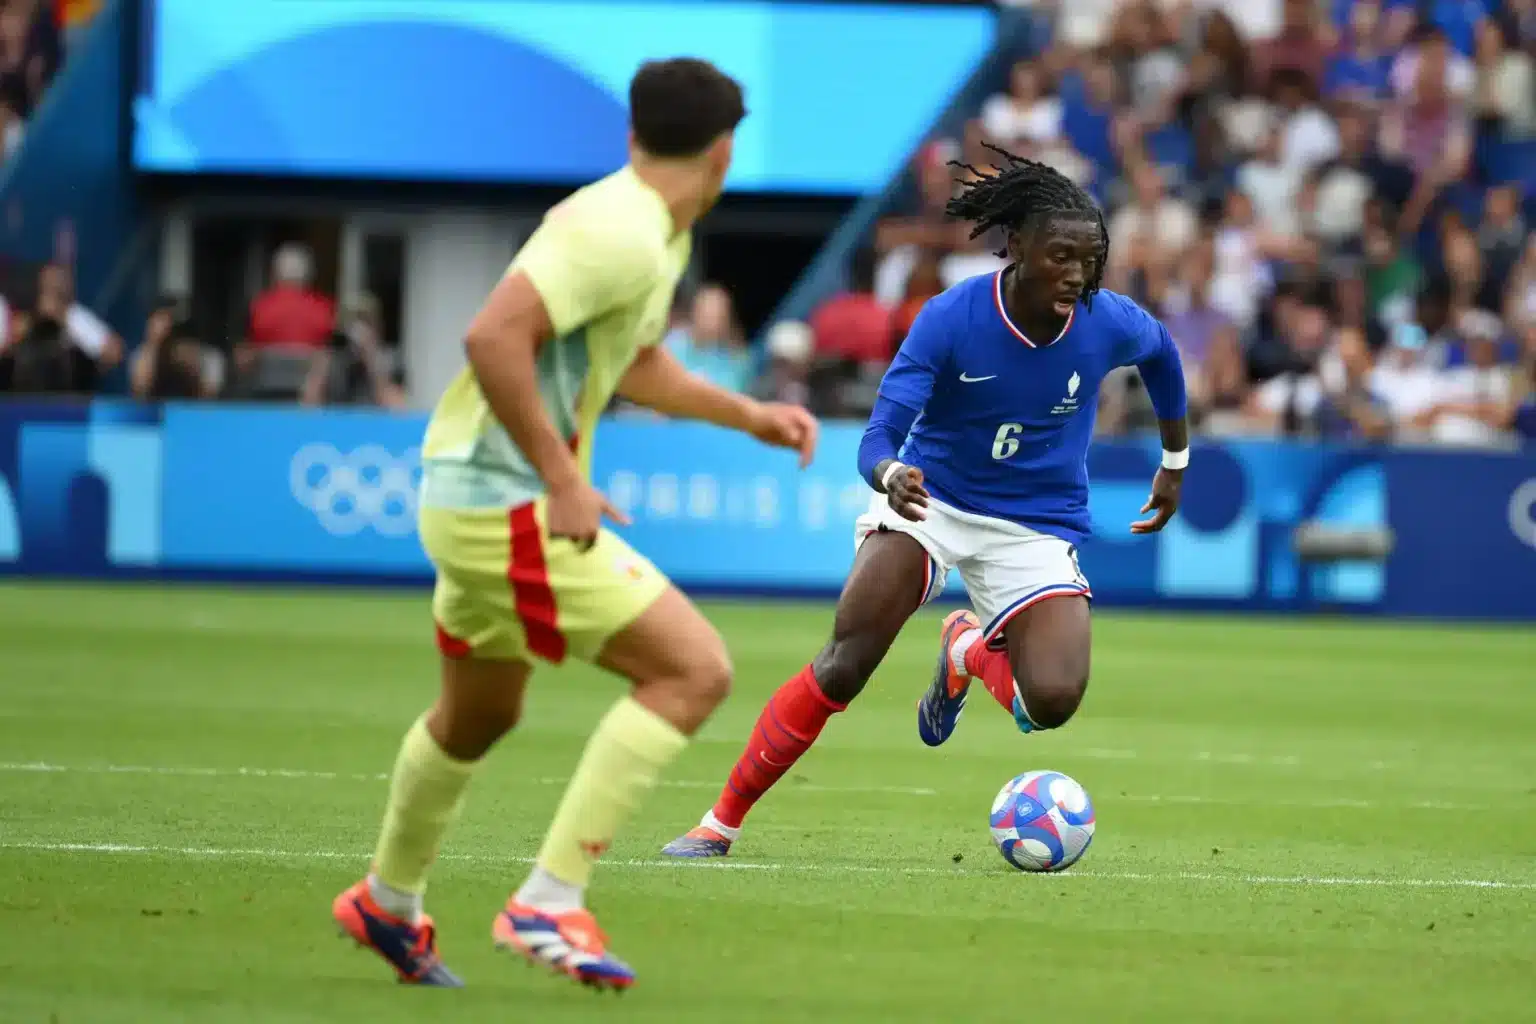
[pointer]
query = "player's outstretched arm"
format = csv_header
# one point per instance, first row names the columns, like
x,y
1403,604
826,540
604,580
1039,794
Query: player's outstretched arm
x,y
501,345
659,382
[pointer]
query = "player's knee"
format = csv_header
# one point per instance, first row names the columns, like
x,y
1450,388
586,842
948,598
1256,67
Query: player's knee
x,y
842,668
469,734
1051,697
709,678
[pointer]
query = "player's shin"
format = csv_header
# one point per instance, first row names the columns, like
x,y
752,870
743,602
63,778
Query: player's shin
x,y
426,793
788,725
994,670
622,761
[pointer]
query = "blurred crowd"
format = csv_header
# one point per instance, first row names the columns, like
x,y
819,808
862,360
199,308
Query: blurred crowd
x,y
1327,203
299,345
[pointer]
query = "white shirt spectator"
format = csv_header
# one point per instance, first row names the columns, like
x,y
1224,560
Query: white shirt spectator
x,y
1171,225
1005,121
1083,24
1273,189
1408,388
1240,280
958,266
1255,20
1308,138
1339,210
1303,392
1470,384
1460,75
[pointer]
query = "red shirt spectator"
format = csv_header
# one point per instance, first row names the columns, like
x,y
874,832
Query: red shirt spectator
x,y
854,325
291,311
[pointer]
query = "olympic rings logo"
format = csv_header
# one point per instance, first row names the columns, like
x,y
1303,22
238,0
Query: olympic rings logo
x,y
369,488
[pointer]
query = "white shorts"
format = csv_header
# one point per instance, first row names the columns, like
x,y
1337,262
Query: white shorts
x,y
1005,567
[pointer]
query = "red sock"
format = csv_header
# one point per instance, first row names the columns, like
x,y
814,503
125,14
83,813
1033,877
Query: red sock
x,y
993,669
786,729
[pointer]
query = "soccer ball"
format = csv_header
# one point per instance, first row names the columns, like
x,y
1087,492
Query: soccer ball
x,y
1042,821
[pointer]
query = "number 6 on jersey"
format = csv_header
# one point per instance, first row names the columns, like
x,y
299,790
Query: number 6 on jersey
x,y
1006,442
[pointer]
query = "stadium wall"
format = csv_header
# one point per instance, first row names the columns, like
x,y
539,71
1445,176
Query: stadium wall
x,y
119,490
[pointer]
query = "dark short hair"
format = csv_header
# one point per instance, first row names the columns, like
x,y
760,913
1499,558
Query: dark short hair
x,y
678,107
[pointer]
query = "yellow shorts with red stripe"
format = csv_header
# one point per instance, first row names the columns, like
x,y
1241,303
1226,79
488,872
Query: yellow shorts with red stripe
x,y
507,590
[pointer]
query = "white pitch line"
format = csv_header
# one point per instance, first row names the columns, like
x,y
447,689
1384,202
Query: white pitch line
x,y
47,768
1330,803
1301,881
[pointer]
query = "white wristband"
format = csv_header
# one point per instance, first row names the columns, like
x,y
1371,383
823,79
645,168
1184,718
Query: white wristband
x,y
885,481
1175,460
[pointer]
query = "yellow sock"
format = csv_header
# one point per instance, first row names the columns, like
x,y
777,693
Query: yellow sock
x,y
622,761
424,799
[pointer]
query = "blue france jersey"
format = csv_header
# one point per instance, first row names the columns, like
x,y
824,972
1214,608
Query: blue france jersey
x,y
1003,423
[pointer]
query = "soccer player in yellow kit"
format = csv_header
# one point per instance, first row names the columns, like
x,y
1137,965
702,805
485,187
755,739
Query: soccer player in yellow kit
x,y
526,572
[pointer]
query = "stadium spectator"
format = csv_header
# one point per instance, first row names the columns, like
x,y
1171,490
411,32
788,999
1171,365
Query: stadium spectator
x,y
1308,136
1153,228
1431,51
1352,409
1273,185
784,378
1520,300
291,311
1025,113
1504,92
82,328
356,368
1302,45
1142,45
172,363
31,50
1208,340
41,360
1471,402
1426,127
1405,381
291,322
854,324
900,241
710,343
923,285
1359,71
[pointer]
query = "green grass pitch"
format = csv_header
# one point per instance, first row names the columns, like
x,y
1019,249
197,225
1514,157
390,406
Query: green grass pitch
x,y
1298,821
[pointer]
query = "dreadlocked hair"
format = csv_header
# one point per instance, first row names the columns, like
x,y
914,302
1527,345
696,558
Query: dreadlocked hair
x,y
1024,192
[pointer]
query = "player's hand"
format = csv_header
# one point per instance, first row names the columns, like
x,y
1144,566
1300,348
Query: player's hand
x,y
1164,502
575,512
906,494
786,426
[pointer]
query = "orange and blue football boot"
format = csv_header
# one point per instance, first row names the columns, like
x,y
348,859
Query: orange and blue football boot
x,y
411,949
939,711
698,842
568,943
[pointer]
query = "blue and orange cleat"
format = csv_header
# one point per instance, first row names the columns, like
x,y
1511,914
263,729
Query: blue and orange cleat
x,y
699,842
939,711
568,943
411,949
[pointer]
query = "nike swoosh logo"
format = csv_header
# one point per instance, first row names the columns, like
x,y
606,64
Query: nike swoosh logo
x,y
771,762
974,380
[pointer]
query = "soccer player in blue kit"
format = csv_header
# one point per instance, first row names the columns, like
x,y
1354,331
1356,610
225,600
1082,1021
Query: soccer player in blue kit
x,y
977,448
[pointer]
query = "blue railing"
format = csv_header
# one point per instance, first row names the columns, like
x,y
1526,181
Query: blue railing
x,y
111,489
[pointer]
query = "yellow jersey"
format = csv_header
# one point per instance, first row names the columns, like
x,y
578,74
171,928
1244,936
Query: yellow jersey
x,y
606,262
